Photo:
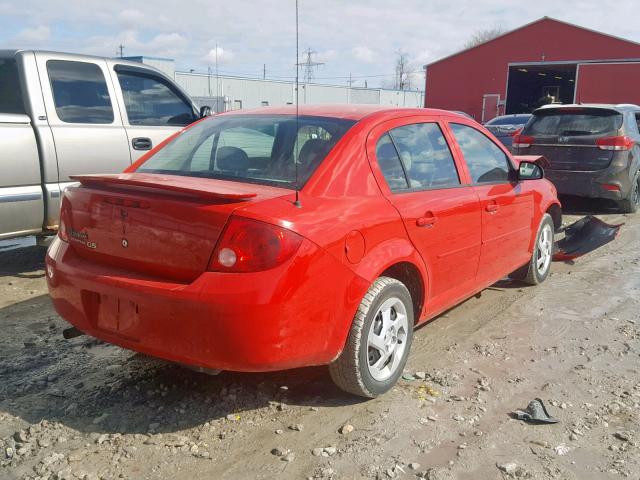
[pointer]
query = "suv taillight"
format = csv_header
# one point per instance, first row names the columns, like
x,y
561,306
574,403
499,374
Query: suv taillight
x,y
248,245
521,141
615,143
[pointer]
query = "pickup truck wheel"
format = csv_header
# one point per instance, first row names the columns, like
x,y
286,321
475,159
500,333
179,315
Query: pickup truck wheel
x,y
379,341
632,202
537,270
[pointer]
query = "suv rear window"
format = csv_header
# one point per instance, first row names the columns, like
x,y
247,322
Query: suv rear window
x,y
10,95
260,149
574,122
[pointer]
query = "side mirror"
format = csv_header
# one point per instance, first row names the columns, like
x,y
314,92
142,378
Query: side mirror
x,y
205,111
530,171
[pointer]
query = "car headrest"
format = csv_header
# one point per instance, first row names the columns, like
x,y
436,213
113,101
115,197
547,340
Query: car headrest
x,y
311,150
232,159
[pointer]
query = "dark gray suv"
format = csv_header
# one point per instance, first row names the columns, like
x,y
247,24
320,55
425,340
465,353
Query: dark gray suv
x,y
593,150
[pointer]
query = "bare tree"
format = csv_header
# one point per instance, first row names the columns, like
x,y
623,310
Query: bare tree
x,y
484,35
402,80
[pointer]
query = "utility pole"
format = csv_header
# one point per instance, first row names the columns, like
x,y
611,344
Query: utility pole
x,y
264,71
217,79
209,79
120,50
309,65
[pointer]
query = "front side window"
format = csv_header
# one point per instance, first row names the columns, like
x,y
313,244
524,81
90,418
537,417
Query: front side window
x,y
149,100
10,92
487,163
264,149
425,156
80,92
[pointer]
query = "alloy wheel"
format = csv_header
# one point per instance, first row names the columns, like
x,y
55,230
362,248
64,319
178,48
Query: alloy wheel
x,y
544,249
387,339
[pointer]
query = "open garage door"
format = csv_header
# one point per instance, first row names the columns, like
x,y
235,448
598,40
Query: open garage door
x,y
615,82
531,86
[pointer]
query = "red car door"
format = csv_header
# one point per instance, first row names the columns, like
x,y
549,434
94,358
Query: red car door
x,y
507,207
420,177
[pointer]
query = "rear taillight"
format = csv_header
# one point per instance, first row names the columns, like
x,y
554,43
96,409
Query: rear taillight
x,y
615,143
515,132
250,245
63,226
521,141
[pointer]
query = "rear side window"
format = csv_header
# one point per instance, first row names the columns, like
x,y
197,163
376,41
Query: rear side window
x,y
80,92
389,163
487,163
570,122
10,93
262,149
425,156
149,100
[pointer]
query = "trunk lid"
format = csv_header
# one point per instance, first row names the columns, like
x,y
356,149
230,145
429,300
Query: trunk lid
x,y
161,225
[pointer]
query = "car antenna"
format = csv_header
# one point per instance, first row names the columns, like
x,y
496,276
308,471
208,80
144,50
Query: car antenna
x,y
295,145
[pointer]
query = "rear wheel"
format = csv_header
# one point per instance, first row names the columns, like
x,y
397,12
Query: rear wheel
x,y
379,341
632,202
537,270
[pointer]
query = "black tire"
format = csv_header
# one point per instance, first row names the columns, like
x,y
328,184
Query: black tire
x,y
632,202
351,370
530,273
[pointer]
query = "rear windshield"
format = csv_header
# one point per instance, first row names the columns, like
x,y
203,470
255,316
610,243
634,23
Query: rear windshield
x,y
595,121
10,96
509,120
262,149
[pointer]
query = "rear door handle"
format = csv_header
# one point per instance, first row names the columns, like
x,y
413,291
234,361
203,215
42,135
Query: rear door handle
x,y
142,143
427,221
492,207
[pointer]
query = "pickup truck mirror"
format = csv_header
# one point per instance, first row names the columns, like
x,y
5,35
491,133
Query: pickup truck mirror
x,y
530,171
205,111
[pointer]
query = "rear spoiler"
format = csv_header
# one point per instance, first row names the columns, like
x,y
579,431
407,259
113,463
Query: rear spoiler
x,y
540,160
204,188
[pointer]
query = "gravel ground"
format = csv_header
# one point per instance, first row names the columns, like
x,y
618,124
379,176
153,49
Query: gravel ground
x,y
81,409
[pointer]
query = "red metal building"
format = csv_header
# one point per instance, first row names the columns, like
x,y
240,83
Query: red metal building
x,y
546,60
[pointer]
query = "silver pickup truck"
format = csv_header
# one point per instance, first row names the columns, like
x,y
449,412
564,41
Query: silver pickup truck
x,y
64,114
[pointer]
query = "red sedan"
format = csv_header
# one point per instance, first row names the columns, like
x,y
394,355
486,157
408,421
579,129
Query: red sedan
x,y
261,240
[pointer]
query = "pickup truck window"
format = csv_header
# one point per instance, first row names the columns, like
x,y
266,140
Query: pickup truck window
x,y
10,93
150,101
80,92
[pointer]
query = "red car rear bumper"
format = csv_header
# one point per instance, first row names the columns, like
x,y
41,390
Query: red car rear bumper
x,y
297,314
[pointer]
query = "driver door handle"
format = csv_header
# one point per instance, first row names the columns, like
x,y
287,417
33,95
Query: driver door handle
x,y
142,143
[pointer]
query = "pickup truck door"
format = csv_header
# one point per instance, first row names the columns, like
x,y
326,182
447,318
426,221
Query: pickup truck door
x,y
153,106
21,197
83,114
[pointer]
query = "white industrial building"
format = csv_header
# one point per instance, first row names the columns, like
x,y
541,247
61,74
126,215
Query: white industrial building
x,y
225,92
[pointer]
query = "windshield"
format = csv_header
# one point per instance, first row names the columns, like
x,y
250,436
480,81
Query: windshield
x,y
251,148
570,122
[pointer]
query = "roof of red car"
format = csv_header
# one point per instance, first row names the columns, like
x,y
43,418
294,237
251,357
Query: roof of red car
x,y
348,111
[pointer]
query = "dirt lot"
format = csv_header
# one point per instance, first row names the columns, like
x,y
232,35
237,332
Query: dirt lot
x,y
82,409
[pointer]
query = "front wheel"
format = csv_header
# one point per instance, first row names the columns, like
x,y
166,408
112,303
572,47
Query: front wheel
x,y
537,270
379,341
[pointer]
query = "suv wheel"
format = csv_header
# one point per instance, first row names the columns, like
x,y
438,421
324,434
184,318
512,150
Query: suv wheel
x,y
632,202
379,341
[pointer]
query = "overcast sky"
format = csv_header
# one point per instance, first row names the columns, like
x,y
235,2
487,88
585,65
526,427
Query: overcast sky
x,y
357,37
